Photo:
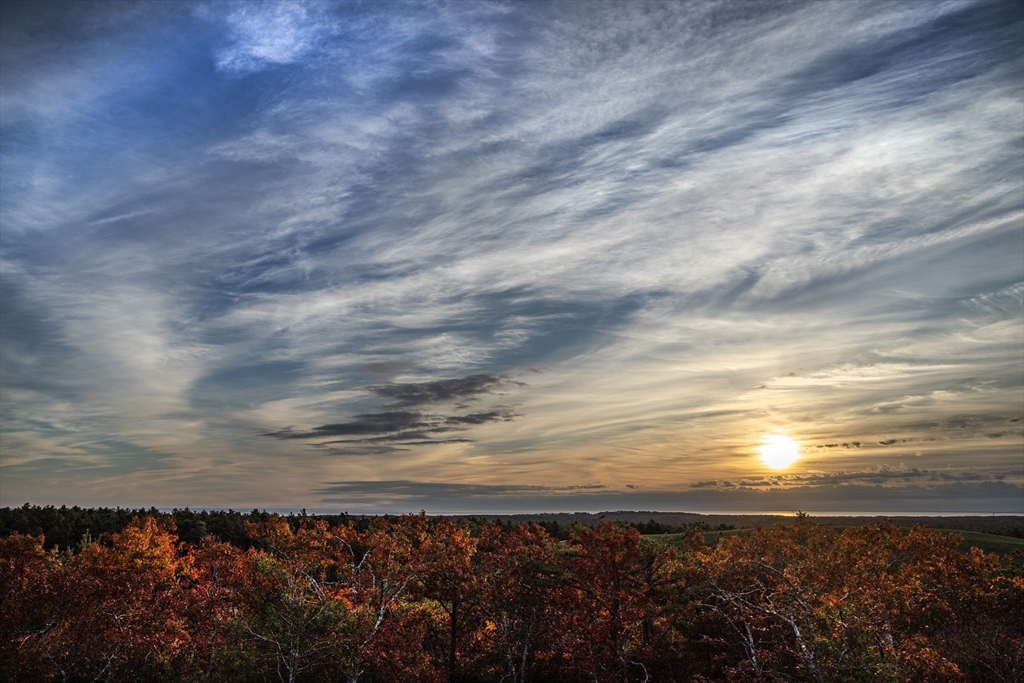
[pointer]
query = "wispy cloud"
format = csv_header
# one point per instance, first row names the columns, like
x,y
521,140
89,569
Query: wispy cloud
x,y
401,426
460,388
265,34
707,221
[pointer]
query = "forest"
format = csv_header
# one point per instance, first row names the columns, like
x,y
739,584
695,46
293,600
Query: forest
x,y
117,595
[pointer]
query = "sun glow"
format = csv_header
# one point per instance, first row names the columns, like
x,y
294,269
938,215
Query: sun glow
x,y
779,452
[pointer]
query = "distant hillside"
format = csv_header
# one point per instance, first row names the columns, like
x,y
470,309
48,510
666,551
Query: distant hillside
x,y
1000,525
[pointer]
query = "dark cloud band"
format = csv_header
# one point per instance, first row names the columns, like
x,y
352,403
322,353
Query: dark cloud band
x,y
411,427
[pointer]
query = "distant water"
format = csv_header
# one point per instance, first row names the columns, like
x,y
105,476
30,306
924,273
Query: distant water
x,y
862,513
781,513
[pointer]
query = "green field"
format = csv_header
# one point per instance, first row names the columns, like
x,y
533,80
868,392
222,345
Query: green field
x,y
990,543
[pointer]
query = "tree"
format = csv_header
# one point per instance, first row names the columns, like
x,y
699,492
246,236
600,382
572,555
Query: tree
x,y
870,604
385,567
516,600
287,607
617,612
28,599
447,580
119,609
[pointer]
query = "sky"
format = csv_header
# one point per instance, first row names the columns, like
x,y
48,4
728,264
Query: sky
x,y
512,256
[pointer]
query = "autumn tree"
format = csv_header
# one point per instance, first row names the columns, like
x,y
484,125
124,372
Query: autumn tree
x,y
386,567
516,600
288,607
119,609
870,604
28,605
414,599
448,581
220,588
617,615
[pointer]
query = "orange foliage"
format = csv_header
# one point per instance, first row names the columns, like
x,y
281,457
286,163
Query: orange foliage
x,y
414,599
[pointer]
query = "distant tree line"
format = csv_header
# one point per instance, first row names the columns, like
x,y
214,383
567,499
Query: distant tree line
x,y
67,527
1000,525
259,597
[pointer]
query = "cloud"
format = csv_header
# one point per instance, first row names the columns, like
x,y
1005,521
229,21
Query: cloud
x,y
417,492
880,475
386,368
377,423
403,427
269,33
366,221
500,414
419,393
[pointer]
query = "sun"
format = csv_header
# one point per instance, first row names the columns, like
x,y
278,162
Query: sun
x,y
779,452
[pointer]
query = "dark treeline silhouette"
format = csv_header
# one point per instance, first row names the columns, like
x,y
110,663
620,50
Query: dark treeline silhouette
x,y
996,524
249,597
68,527
65,527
